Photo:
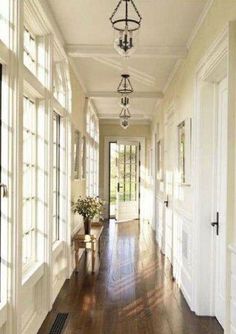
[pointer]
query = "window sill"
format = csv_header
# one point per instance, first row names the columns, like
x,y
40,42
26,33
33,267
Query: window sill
x,y
3,313
33,275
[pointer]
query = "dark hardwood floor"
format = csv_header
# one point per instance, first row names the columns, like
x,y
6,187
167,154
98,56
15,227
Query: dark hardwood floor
x,y
131,293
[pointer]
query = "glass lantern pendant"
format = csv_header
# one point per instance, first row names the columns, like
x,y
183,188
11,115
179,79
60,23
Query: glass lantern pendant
x,y
124,118
126,22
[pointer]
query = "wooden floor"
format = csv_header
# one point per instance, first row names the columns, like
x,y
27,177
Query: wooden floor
x,y
131,293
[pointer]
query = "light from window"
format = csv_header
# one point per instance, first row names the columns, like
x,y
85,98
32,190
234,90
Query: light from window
x,y
56,176
29,180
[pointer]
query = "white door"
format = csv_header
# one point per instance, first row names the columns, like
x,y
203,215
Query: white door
x,y
219,212
169,187
128,181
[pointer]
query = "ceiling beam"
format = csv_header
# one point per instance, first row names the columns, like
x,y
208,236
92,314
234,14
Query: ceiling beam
x,y
143,95
91,51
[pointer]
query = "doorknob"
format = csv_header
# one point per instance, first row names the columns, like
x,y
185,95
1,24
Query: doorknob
x,y
166,202
3,190
216,223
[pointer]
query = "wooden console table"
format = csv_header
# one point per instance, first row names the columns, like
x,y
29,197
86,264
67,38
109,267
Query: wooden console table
x,y
88,241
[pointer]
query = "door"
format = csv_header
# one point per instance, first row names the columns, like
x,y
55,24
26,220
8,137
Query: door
x,y
169,187
219,212
128,181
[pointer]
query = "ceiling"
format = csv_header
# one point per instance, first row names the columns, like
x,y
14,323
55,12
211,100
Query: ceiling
x,y
166,28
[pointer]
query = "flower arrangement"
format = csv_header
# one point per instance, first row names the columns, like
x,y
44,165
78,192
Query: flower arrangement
x,y
88,208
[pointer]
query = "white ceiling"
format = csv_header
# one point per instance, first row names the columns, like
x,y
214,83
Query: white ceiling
x,y
167,26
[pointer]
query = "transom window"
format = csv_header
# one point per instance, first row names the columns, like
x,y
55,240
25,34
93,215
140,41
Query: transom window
x,y
59,90
56,176
29,180
29,51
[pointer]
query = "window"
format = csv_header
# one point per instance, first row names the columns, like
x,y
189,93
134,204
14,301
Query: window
x,y
92,155
59,90
29,180
181,151
29,51
4,21
56,176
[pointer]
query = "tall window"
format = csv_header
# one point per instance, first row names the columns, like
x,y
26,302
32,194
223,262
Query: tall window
x,y
29,51
29,180
92,155
56,176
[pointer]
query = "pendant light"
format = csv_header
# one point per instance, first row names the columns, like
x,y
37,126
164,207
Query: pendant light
x,y
126,21
125,86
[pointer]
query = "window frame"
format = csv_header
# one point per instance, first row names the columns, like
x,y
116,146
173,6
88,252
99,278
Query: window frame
x,y
56,205
92,152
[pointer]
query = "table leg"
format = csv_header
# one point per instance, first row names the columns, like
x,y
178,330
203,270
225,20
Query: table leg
x,y
76,261
99,246
93,256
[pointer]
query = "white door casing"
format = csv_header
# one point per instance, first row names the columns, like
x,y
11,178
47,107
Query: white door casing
x,y
169,186
219,204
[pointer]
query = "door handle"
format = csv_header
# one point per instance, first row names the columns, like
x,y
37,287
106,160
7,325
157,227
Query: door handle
x,y
166,202
119,187
3,190
216,223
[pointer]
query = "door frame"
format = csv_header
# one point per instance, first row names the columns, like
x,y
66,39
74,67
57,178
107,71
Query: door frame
x,y
211,70
109,175
106,185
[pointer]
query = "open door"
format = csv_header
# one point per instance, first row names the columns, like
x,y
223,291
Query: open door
x,y
128,181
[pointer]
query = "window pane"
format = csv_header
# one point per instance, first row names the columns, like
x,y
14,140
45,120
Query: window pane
x,y
29,180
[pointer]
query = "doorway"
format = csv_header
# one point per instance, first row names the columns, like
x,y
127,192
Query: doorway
x,y
124,180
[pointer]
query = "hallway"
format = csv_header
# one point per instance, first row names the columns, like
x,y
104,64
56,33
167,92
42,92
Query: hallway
x,y
132,292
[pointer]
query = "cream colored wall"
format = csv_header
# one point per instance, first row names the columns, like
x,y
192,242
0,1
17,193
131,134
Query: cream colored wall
x,y
115,130
78,187
180,93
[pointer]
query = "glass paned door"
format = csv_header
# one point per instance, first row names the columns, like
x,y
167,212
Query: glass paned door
x,y
128,181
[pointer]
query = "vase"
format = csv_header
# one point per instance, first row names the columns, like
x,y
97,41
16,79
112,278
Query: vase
x,y
87,225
